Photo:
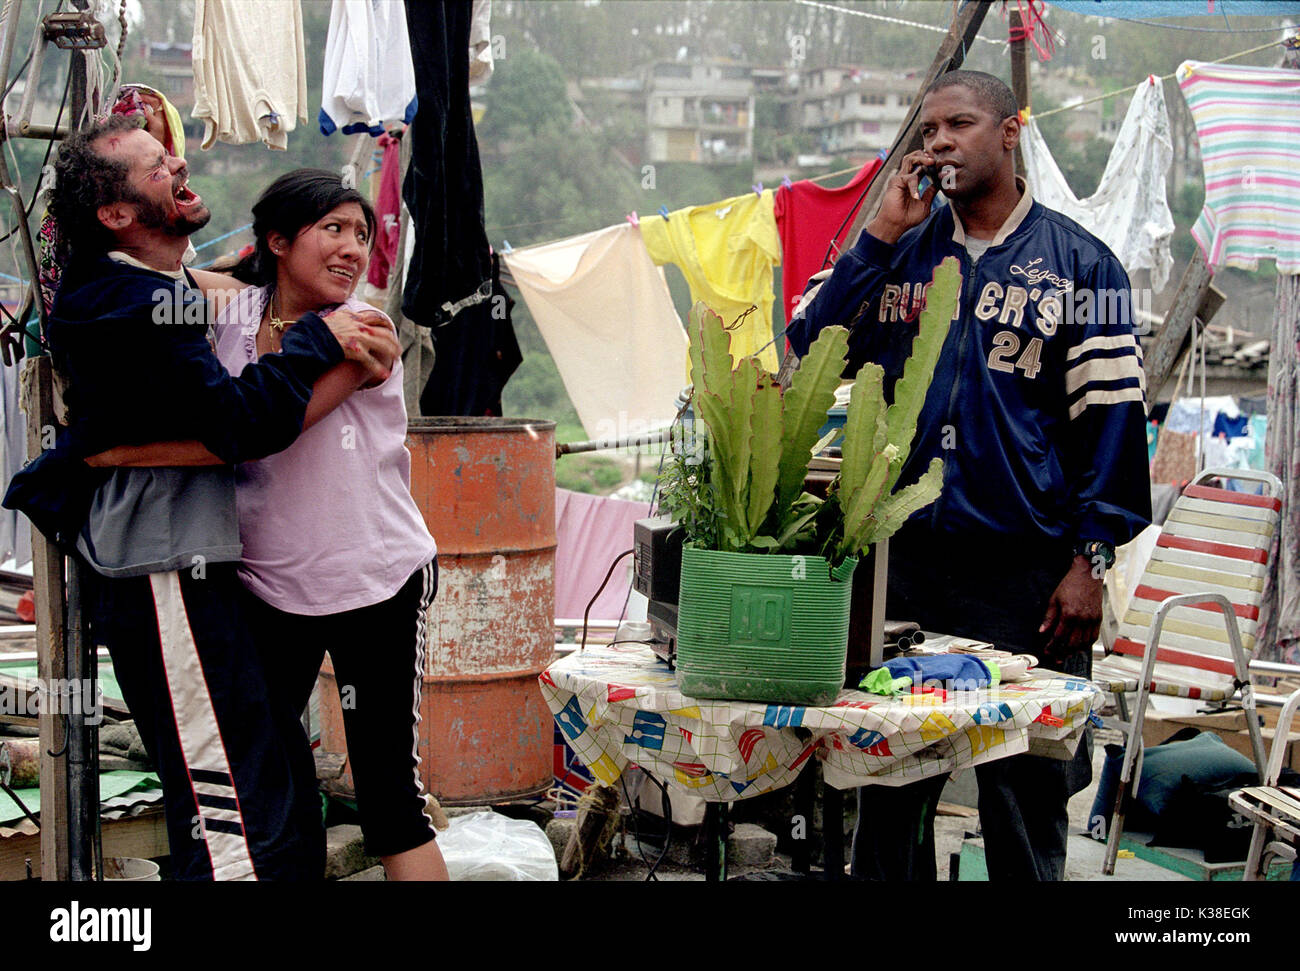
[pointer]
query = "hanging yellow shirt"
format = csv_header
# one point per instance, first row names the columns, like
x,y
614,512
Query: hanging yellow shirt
x,y
726,251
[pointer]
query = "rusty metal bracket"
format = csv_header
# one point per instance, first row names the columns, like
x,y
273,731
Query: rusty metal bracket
x,y
75,31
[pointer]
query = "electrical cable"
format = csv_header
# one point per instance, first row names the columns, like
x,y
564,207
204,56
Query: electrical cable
x,y
21,68
890,20
667,810
636,829
586,615
666,807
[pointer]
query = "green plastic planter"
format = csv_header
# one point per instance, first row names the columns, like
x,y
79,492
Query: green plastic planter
x,y
762,627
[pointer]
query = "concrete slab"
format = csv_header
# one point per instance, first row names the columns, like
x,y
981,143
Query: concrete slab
x,y
345,852
1084,857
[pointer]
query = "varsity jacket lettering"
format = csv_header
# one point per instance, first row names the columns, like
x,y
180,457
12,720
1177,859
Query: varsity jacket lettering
x,y
1036,407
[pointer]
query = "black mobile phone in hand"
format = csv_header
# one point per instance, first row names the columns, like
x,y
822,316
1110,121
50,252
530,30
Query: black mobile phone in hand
x,y
929,177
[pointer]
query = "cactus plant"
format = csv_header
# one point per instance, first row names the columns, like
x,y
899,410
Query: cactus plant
x,y
760,441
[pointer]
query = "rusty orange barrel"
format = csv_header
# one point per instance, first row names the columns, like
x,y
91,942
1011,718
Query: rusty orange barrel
x,y
486,487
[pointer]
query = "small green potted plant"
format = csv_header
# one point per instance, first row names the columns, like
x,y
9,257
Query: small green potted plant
x,y
763,611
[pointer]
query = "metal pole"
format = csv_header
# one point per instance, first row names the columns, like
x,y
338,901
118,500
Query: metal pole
x,y
596,445
47,132
12,11
83,780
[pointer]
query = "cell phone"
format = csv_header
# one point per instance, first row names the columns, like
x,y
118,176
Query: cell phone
x,y
929,177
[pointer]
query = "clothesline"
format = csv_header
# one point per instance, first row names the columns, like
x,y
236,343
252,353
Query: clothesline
x,y
1163,77
891,20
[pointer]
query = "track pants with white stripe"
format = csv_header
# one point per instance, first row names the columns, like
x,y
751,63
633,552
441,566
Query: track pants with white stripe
x,y
239,803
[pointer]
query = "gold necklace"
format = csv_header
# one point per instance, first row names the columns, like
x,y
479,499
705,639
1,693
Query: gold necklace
x,y
276,323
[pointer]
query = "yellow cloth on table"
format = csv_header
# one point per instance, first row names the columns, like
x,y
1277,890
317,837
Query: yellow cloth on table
x,y
726,251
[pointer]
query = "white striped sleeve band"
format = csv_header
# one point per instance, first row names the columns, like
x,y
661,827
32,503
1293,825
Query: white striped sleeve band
x,y
1104,371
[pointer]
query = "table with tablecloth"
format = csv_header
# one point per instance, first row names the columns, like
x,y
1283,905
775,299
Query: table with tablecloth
x,y
620,704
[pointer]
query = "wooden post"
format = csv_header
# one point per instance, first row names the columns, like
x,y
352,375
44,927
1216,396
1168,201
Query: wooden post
x,y
1196,298
952,52
51,657
1019,75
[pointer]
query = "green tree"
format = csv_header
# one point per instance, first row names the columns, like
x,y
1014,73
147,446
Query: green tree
x,y
527,96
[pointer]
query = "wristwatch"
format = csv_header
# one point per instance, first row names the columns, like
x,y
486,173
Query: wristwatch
x,y
1095,548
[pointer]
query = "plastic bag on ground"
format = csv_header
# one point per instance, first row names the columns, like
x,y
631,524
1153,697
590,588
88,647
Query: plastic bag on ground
x,y
489,846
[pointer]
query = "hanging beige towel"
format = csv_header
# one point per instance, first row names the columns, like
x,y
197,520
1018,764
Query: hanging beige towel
x,y
250,72
606,314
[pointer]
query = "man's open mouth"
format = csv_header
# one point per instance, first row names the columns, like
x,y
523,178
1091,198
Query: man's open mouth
x,y
185,198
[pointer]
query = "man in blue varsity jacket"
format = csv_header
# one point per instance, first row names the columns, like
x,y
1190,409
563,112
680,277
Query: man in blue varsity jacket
x,y
1037,412
128,333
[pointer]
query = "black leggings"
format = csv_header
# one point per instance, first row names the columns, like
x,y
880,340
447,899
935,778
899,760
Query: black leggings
x,y
378,654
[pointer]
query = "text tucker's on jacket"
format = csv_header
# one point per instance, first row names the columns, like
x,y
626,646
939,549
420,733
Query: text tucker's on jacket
x,y
133,348
1036,407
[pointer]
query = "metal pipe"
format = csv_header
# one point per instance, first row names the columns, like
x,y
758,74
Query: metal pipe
x,y
1273,667
599,444
46,132
13,9
34,74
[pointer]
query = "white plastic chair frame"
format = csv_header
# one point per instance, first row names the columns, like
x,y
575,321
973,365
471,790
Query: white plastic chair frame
x,y
1272,812
1133,748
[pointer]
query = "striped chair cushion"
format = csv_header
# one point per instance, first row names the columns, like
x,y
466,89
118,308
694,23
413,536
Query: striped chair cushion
x,y
1215,541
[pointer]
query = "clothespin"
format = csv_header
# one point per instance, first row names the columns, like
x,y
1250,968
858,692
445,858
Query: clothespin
x,y
633,218
758,188
1151,78
883,154
785,181
1023,115
663,211
506,247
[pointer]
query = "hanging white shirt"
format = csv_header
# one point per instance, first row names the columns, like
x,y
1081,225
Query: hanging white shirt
x,y
1129,211
480,42
369,80
250,71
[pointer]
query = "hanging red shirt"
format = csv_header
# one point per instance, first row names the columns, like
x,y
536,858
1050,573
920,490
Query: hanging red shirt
x,y
807,216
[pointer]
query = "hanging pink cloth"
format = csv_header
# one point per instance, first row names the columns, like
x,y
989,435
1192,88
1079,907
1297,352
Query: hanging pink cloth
x,y
388,212
590,531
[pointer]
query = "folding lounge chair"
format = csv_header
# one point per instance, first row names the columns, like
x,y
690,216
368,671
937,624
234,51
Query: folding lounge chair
x,y
1274,809
1192,618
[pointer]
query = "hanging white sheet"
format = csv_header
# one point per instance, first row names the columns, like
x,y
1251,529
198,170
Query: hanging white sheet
x,y
1129,211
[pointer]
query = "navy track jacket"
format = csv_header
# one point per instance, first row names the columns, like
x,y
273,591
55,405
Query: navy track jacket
x,y
133,347
1037,402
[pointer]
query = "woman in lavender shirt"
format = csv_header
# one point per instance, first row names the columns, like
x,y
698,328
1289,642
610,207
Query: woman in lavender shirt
x,y
336,552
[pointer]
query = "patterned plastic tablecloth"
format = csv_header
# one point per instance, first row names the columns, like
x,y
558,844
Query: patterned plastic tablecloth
x,y
620,705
